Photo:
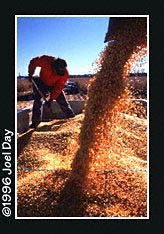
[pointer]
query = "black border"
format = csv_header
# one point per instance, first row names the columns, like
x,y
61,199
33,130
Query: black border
x,y
8,106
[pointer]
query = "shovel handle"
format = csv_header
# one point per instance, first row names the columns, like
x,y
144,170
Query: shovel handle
x,y
41,94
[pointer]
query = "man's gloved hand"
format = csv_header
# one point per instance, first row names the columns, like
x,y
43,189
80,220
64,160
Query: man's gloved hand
x,y
48,103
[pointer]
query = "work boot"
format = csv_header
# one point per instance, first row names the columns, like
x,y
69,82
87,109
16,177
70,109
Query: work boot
x,y
68,116
34,125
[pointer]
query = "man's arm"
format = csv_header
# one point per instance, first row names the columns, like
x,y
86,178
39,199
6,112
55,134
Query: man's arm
x,y
59,86
32,66
36,62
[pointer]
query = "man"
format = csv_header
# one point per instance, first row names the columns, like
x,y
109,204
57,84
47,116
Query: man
x,y
53,76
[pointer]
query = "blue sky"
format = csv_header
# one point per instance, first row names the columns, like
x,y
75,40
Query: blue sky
x,y
79,40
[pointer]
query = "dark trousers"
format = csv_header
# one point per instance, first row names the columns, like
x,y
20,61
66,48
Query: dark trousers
x,y
37,105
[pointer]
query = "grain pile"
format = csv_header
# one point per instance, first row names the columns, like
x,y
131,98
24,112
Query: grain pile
x,y
44,172
94,164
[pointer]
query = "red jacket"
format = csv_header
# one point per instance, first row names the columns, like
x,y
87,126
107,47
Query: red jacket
x,y
47,75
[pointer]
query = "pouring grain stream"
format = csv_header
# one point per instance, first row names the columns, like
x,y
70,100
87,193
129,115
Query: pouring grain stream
x,y
105,100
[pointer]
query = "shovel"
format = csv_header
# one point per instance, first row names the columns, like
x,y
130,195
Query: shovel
x,y
40,92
